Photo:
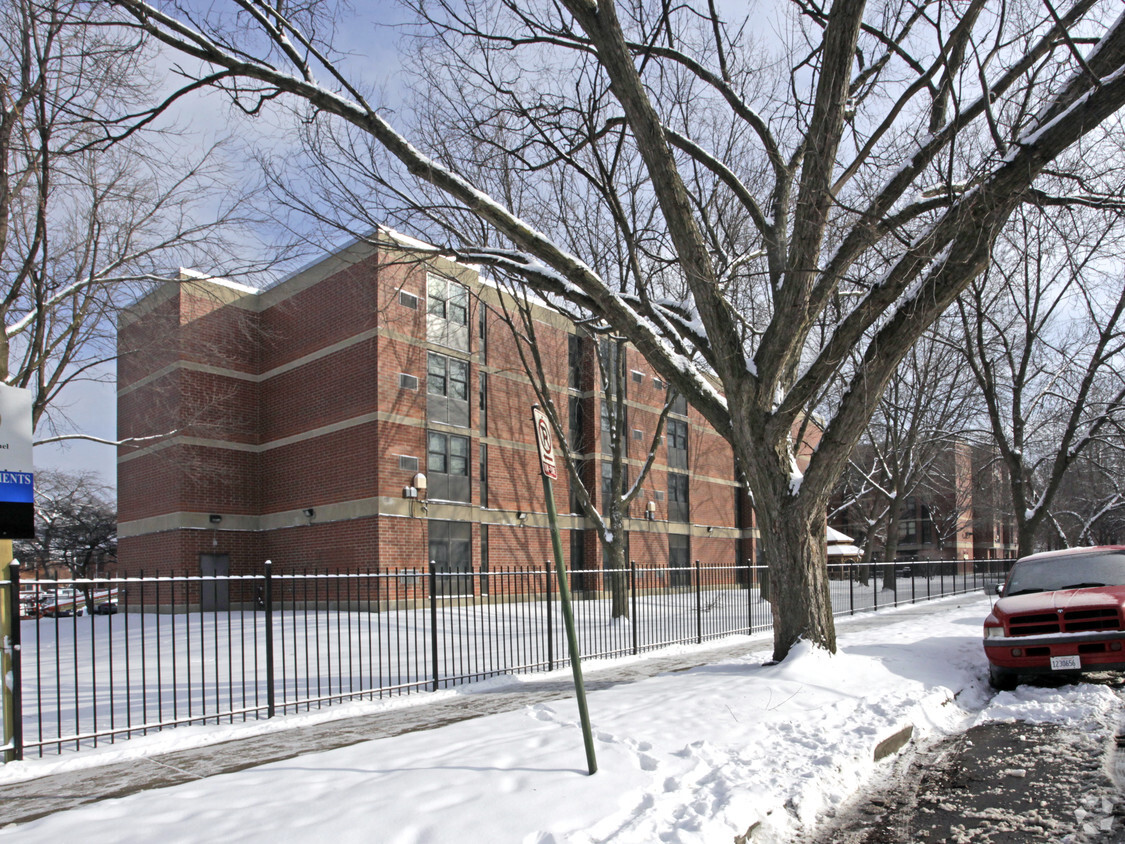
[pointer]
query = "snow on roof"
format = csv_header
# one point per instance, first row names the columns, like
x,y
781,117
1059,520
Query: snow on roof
x,y
195,275
835,536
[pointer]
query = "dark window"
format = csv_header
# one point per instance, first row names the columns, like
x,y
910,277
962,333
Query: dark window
x,y
677,443
574,361
583,467
447,386
638,377
678,505
483,475
577,422
447,466
581,580
610,354
607,483
482,332
679,560
679,405
483,422
451,552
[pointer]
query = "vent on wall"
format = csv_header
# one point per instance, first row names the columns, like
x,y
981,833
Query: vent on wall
x,y
407,382
408,300
638,434
659,495
657,384
407,464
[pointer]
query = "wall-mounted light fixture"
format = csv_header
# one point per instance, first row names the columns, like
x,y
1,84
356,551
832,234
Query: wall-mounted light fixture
x,y
650,510
522,516
416,491
710,529
309,512
214,518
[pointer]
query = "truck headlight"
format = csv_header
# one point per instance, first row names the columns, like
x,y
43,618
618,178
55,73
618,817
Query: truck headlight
x,y
993,632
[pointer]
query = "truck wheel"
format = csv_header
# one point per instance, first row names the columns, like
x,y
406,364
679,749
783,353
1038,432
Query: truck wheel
x,y
1001,680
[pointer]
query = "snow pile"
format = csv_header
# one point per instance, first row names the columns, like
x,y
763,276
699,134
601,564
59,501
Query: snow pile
x,y
703,755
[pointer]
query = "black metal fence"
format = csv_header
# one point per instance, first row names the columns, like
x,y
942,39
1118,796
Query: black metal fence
x,y
158,652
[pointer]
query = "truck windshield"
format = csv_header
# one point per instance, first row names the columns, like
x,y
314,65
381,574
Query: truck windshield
x,y
1082,571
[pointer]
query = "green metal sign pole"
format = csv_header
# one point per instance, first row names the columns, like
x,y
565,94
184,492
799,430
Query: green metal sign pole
x,y
7,635
571,636
545,441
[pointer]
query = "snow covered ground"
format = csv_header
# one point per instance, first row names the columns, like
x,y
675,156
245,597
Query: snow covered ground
x,y
695,756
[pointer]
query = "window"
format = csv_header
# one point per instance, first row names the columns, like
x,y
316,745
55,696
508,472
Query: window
x,y
576,423
483,403
608,419
679,405
638,434
447,313
657,384
483,475
583,469
447,466
482,331
638,377
678,505
574,361
451,552
581,580
447,386
677,443
679,560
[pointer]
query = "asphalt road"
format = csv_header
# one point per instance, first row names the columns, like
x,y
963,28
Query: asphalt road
x,y
998,783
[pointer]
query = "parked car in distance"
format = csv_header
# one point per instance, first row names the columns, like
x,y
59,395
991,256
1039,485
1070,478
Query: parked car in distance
x,y
1060,612
106,608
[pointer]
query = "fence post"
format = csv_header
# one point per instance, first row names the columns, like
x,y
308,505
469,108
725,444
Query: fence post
x,y
550,624
267,598
10,666
698,605
433,621
851,589
633,601
749,596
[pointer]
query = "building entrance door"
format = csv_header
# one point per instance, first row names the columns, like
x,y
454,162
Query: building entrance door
x,y
214,594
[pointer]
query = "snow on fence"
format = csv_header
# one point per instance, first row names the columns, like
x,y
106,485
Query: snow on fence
x,y
193,650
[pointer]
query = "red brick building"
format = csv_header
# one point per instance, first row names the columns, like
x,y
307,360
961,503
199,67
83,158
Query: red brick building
x,y
291,423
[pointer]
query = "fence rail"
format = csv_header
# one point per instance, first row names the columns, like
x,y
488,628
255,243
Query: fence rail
x,y
168,651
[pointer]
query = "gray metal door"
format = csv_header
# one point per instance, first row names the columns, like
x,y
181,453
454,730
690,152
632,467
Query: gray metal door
x,y
214,594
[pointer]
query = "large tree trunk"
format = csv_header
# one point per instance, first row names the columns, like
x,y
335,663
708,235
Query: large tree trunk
x,y
617,575
793,542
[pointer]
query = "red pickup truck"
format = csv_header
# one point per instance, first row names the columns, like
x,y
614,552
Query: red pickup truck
x,y
1060,612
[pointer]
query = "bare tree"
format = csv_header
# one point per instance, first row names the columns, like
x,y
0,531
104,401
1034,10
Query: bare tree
x,y
877,151
75,525
92,205
1089,507
1044,337
604,498
908,449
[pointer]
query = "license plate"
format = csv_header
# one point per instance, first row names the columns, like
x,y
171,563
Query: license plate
x,y
1066,663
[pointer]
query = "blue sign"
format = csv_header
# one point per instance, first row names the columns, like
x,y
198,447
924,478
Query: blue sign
x,y
17,487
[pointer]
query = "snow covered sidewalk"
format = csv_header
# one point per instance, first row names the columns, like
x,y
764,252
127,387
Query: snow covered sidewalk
x,y
704,754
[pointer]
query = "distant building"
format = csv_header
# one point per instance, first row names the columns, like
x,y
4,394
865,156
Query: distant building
x,y
957,512
292,424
